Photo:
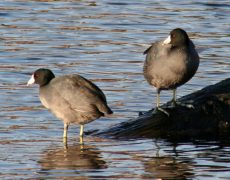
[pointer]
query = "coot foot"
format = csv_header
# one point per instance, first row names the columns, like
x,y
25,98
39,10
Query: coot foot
x,y
140,113
160,109
187,105
173,104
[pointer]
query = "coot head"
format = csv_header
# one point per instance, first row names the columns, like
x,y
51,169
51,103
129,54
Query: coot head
x,y
41,77
177,37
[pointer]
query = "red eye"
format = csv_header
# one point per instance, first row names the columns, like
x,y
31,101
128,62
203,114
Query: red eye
x,y
173,35
35,75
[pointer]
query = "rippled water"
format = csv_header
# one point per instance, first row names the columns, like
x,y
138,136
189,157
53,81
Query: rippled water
x,y
103,41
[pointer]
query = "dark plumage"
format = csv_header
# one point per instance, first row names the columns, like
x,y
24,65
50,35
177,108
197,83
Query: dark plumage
x,y
171,63
71,98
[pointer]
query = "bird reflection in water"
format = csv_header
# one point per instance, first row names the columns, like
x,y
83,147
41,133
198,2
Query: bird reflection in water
x,y
72,158
168,167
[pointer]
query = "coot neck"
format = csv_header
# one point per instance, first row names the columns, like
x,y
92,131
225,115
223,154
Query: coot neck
x,y
183,47
47,80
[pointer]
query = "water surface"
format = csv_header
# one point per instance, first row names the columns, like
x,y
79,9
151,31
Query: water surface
x,y
104,42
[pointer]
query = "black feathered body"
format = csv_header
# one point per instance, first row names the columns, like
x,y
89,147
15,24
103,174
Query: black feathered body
x,y
74,99
167,67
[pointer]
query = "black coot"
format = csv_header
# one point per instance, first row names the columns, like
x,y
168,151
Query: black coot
x,y
171,63
71,98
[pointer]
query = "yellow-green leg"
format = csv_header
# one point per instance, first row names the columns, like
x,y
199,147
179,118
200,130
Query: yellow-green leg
x,y
174,102
158,98
81,130
65,130
81,133
158,103
65,133
174,95
174,98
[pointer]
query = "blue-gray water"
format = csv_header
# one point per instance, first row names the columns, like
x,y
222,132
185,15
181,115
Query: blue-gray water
x,y
103,41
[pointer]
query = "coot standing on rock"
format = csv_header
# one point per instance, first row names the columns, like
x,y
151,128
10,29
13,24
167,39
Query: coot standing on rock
x,y
170,63
71,98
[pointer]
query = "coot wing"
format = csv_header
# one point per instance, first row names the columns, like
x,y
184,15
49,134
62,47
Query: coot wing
x,y
79,93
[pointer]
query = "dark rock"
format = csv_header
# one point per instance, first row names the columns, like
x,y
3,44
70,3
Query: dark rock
x,y
210,118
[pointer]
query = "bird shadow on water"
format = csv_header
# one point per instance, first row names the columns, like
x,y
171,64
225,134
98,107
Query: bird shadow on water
x,y
75,159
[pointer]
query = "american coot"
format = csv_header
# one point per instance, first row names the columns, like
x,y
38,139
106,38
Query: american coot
x,y
170,63
71,98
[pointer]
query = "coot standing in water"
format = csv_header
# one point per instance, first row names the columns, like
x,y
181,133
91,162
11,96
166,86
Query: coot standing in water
x,y
71,98
170,63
